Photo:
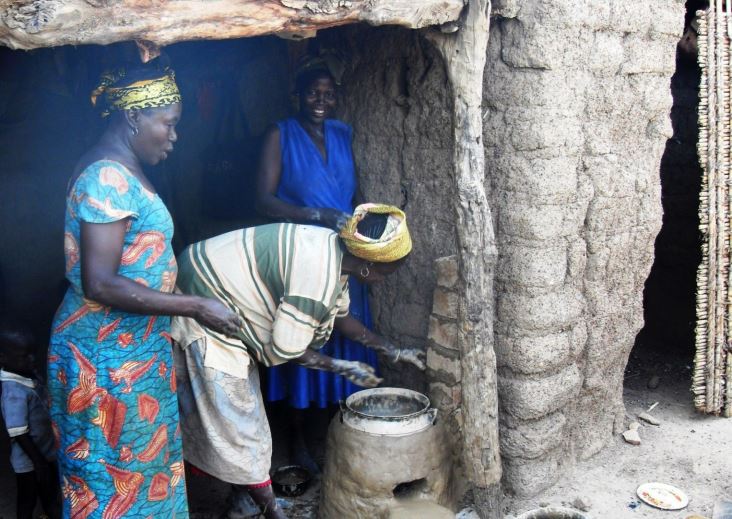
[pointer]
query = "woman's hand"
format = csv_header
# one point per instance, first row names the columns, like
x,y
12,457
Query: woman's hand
x,y
357,372
356,331
213,314
332,218
413,356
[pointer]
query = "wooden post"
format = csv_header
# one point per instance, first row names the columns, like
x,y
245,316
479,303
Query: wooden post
x,y
464,52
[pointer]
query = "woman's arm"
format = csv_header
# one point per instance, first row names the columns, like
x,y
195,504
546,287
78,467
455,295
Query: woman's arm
x,y
357,372
268,180
101,252
356,331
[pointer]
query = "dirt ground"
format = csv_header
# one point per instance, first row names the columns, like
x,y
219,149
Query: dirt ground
x,y
688,450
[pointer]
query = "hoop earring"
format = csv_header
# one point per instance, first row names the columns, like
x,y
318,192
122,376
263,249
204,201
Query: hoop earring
x,y
135,130
365,271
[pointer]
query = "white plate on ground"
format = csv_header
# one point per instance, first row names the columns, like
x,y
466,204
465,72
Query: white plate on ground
x,y
663,496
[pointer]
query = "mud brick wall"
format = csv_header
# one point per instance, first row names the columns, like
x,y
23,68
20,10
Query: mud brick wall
x,y
576,118
443,356
444,371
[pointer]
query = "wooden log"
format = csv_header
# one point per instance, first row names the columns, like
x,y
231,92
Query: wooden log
x,y
464,53
29,24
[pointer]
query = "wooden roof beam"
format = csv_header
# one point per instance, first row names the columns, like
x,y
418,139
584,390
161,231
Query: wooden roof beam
x,y
30,24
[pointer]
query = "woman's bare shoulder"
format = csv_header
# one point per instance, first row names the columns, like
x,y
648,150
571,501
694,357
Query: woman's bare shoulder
x,y
94,157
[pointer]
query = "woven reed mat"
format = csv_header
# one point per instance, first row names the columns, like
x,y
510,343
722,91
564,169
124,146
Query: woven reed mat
x,y
712,379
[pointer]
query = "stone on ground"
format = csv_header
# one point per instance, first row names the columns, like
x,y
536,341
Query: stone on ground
x,y
631,436
649,419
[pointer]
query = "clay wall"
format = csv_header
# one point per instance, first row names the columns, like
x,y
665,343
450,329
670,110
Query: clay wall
x,y
576,110
576,117
396,95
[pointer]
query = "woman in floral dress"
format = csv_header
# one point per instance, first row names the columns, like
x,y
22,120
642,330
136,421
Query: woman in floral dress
x,y
111,378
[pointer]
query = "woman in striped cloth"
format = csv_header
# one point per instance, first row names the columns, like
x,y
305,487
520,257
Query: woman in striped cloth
x,y
289,285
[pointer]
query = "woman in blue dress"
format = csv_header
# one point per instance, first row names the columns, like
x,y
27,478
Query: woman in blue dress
x,y
306,175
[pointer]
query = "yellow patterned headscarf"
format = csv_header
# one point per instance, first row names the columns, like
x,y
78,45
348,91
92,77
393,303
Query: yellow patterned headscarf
x,y
146,93
394,243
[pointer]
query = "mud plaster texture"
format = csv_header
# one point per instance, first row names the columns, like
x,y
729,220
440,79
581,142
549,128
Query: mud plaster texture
x,y
362,471
576,117
396,95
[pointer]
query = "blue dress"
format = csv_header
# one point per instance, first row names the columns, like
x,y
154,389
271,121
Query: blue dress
x,y
111,379
307,180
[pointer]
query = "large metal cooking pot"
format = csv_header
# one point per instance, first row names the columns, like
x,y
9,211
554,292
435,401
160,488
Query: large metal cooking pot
x,y
388,411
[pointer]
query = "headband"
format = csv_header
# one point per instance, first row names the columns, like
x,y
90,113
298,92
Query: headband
x,y
145,93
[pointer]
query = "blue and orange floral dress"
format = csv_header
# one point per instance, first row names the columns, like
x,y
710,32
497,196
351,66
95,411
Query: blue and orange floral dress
x,y
110,373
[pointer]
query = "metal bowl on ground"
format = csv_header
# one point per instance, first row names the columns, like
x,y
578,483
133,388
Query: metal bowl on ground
x,y
291,480
388,411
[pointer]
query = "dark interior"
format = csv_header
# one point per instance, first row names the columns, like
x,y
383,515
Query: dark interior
x,y
232,90
667,337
